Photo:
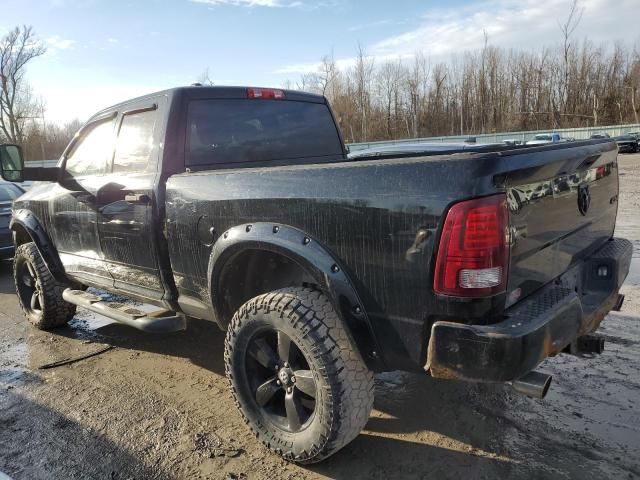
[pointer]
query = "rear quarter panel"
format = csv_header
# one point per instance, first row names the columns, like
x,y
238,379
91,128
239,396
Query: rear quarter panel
x,y
379,218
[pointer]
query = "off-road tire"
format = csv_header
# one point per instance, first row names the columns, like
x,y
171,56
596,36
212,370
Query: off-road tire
x,y
54,311
344,383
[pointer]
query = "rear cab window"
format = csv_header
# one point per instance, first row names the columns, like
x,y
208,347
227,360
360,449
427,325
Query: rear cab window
x,y
229,131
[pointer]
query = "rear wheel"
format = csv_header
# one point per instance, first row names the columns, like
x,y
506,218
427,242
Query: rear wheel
x,y
295,376
39,294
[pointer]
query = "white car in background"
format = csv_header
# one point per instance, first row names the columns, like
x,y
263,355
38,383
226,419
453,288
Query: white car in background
x,y
545,139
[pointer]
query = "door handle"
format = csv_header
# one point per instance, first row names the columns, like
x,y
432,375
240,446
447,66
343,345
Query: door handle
x,y
138,198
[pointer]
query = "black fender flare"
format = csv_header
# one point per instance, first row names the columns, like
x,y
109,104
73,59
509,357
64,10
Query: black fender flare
x,y
315,259
28,221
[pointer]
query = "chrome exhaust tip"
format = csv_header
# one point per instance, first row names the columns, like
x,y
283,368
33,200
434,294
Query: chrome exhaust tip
x,y
533,384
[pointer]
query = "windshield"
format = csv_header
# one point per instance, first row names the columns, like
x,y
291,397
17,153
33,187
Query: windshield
x,y
542,137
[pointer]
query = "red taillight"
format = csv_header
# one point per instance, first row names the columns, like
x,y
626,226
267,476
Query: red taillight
x,y
473,255
265,93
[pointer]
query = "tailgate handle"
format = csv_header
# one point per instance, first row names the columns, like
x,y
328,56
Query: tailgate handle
x,y
139,198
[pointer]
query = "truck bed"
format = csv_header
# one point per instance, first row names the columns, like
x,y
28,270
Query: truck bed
x,y
381,216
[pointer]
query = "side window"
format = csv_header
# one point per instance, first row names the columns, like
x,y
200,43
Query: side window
x,y
135,142
91,155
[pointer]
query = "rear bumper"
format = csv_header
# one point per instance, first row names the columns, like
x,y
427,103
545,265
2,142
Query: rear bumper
x,y
537,327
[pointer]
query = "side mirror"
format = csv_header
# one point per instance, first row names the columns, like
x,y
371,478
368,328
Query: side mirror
x,y
11,163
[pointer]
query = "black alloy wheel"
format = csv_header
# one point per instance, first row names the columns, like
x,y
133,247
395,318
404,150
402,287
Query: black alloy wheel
x,y
281,379
39,293
295,375
29,288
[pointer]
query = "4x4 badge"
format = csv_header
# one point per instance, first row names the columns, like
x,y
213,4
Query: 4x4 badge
x,y
584,199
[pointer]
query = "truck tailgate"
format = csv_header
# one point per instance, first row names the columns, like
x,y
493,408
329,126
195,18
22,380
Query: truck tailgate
x,y
559,212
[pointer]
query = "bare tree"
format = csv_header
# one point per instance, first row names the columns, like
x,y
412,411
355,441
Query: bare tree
x,y
327,73
205,78
17,103
363,75
416,88
388,80
308,82
633,84
487,90
568,28
47,140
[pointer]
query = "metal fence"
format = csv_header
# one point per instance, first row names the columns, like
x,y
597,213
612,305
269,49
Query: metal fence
x,y
40,163
577,133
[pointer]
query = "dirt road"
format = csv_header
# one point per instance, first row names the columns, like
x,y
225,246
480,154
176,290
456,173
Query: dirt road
x,y
158,406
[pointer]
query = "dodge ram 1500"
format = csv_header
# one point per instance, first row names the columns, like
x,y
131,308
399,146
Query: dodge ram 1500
x,y
241,206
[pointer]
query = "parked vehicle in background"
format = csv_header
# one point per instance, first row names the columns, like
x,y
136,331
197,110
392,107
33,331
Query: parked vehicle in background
x,y
8,193
627,144
596,136
545,138
512,141
239,206
417,148
635,135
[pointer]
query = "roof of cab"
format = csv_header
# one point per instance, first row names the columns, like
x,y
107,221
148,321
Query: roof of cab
x,y
204,92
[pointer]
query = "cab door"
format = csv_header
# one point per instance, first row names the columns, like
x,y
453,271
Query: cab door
x,y
127,225
73,203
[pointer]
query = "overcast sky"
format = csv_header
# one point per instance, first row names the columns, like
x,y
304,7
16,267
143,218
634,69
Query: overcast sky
x,y
103,51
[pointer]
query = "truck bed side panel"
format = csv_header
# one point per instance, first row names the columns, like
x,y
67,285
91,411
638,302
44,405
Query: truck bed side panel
x,y
378,217
381,219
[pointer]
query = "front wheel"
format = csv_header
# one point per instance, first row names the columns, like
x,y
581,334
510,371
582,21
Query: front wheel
x,y
298,382
39,294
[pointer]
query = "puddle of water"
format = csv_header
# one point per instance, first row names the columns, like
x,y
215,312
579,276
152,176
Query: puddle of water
x,y
16,354
85,322
14,364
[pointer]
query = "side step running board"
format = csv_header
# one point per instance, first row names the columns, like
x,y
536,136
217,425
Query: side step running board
x,y
160,321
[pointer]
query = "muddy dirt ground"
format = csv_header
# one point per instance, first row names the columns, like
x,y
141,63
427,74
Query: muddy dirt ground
x,y
157,407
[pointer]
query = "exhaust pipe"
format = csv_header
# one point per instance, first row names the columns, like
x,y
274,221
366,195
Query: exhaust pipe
x,y
618,306
591,344
533,384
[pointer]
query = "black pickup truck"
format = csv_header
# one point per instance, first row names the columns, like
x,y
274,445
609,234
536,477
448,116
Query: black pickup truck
x,y
241,206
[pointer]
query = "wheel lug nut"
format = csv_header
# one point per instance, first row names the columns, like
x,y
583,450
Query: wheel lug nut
x,y
286,365
277,382
289,390
293,379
